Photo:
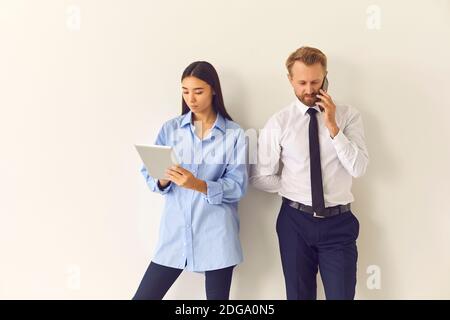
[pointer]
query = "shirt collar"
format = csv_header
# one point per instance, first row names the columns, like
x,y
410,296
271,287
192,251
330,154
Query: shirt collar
x,y
186,119
303,107
219,123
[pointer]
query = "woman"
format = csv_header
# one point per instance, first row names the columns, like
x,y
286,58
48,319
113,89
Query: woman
x,y
200,224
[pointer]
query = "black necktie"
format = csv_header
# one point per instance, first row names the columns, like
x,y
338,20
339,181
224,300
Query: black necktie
x,y
318,203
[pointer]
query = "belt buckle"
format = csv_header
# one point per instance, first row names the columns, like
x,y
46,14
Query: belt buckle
x,y
317,216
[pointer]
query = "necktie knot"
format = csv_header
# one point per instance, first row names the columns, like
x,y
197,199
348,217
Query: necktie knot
x,y
311,111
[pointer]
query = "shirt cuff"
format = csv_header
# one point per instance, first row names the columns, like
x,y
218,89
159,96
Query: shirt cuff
x,y
154,186
340,141
214,193
161,190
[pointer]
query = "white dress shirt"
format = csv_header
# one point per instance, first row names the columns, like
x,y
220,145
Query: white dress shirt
x,y
285,137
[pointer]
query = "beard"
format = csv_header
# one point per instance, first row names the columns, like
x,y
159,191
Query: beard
x,y
309,99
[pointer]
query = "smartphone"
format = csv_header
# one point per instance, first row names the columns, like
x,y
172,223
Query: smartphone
x,y
324,87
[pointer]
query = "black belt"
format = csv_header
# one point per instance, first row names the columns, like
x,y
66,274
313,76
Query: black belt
x,y
325,213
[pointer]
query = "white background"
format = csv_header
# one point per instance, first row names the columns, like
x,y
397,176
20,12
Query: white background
x,y
82,81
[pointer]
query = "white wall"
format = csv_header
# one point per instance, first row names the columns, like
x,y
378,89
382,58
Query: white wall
x,y
76,92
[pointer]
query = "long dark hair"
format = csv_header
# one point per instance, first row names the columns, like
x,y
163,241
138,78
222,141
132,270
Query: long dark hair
x,y
205,71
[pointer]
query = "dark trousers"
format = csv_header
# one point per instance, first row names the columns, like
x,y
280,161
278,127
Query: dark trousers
x,y
308,243
158,279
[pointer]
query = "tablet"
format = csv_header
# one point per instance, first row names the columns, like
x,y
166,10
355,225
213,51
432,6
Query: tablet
x,y
157,159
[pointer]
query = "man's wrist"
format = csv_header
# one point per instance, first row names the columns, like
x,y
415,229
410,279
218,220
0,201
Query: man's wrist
x,y
334,130
200,186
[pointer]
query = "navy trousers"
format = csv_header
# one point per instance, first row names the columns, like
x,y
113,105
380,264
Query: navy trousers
x,y
308,244
158,279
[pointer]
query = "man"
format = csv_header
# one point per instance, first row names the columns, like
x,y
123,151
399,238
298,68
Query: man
x,y
321,146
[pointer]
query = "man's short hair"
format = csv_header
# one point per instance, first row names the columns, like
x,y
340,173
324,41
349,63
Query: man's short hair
x,y
308,56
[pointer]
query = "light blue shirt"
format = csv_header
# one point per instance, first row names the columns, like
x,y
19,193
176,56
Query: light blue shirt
x,y
198,231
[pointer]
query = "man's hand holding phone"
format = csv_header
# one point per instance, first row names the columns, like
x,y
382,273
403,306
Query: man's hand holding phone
x,y
328,108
